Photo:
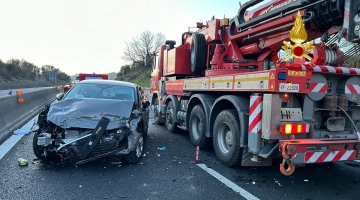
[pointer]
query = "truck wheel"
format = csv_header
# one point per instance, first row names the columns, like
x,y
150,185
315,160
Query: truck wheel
x,y
157,113
226,138
198,53
170,117
197,128
135,156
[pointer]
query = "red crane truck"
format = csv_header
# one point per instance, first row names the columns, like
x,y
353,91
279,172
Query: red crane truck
x,y
228,87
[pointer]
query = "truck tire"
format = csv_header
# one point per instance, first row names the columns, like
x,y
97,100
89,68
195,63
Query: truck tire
x,y
197,128
170,123
136,155
198,53
226,138
157,113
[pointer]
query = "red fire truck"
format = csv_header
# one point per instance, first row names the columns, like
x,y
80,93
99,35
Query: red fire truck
x,y
81,77
227,85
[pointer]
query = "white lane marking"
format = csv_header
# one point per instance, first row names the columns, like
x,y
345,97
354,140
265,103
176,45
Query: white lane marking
x,y
13,140
247,195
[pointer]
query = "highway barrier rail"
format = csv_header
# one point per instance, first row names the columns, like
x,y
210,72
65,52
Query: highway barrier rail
x,y
16,110
12,85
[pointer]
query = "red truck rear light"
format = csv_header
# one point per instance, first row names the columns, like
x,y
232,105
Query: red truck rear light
x,y
294,128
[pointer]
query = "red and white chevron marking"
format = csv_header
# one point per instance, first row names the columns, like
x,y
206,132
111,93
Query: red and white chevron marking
x,y
319,87
352,89
255,113
329,69
327,156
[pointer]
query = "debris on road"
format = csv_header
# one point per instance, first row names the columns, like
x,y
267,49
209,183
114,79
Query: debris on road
x,y
22,162
163,148
22,132
116,163
306,180
276,181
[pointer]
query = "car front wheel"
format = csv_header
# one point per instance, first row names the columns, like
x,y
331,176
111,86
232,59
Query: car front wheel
x,y
136,154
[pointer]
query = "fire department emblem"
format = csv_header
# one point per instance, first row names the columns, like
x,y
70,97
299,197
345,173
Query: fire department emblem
x,y
298,36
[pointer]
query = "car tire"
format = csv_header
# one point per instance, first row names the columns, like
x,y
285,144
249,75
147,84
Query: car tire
x,y
136,155
39,150
197,128
170,123
226,138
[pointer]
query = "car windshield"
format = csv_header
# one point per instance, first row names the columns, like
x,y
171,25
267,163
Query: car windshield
x,y
101,91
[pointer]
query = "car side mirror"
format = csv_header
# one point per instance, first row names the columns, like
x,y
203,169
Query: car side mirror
x,y
59,96
145,104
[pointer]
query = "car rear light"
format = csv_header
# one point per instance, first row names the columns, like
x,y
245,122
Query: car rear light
x,y
294,128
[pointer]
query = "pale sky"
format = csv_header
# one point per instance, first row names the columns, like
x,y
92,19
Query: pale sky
x,y
88,36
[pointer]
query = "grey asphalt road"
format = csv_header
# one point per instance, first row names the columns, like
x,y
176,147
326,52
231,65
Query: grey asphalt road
x,y
4,93
170,174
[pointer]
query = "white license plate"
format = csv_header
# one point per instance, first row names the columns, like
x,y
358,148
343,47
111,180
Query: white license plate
x,y
284,87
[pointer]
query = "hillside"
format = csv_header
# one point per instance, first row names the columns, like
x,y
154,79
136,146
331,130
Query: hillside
x,y
137,74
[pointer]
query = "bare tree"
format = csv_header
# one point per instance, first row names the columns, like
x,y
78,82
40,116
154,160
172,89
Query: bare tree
x,y
146,43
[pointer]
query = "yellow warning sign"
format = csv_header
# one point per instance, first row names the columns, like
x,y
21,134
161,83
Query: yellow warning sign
x,y
296,73
272,76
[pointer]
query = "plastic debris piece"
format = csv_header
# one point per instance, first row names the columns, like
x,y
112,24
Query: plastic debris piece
x,y
22,132
22,162
277,182
163,148
306,180
253,182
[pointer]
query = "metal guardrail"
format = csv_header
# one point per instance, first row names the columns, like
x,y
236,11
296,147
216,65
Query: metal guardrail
x,y
14,85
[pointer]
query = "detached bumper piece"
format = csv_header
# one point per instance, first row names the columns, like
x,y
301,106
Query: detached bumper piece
x,y
307,151
94,138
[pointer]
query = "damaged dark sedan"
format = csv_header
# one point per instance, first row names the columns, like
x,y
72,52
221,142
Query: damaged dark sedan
x,y
96,118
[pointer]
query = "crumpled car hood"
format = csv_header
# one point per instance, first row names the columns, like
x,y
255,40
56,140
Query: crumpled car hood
x,y
86,113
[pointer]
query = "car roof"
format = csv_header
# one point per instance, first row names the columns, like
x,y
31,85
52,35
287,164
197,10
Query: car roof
x,y
111,82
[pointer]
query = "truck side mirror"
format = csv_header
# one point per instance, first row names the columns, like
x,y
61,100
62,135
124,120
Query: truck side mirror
x,y
147,60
